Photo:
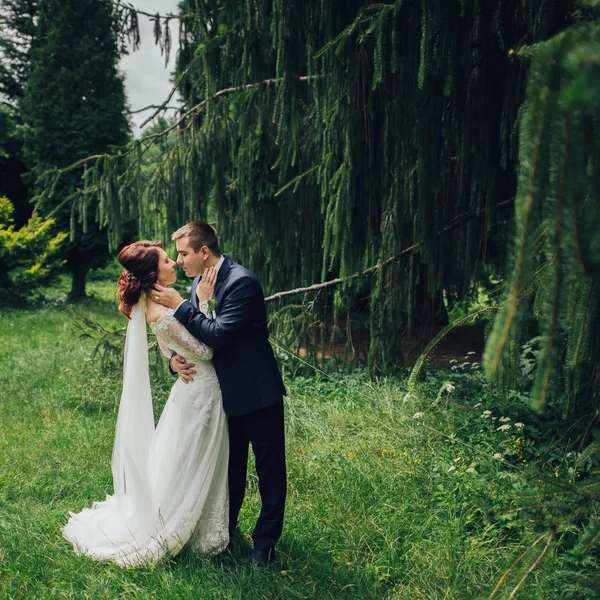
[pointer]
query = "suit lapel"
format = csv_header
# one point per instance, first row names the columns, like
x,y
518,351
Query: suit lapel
x,y
194,286
222,275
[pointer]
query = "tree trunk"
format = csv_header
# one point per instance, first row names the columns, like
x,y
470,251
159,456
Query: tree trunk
x,y
79,273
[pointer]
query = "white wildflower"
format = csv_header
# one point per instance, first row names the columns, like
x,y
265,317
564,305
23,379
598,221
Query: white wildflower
x,y
519,425
450,388
469,353
478,405
497,456
418,415
504,419
503,428
452,360
452,468
471,470
486,414
457,459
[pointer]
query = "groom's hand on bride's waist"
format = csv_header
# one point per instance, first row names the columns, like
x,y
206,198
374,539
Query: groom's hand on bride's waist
x,y
166,296
184,369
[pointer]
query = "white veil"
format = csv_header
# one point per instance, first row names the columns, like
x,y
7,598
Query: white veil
x,y
135,423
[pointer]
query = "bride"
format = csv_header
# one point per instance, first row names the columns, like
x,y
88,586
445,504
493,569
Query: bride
x,y
170,483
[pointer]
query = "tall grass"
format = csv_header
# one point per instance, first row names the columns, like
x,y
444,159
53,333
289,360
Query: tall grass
x,y
387,499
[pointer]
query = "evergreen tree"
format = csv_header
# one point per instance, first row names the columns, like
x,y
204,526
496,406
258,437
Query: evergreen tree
x,y
73,106
556,262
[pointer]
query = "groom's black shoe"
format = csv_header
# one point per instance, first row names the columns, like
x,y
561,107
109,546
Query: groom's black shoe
x,y
262,557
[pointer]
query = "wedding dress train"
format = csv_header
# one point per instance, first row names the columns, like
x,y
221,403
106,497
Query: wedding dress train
x,y
170,483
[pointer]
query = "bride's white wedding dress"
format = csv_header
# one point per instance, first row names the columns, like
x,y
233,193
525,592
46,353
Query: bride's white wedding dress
x,y
170,483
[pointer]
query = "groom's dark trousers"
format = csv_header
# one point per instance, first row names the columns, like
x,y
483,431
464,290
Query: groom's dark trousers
x,y
252,391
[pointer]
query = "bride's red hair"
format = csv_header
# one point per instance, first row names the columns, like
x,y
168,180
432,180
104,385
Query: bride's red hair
x,y
140,260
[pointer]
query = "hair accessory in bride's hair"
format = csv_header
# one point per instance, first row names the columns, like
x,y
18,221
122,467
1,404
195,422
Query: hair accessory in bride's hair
x,y
130,275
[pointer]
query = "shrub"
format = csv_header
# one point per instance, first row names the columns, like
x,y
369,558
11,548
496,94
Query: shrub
x,y
29,256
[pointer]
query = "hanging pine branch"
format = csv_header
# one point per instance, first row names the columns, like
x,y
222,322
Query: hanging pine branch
x,y
557,224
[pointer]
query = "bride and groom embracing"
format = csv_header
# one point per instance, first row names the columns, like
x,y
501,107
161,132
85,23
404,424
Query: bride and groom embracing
x,y
183,482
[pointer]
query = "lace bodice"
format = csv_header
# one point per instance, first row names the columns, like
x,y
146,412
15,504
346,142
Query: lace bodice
x,y
173,336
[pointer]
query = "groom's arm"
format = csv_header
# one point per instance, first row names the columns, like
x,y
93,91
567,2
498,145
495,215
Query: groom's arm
x,y
234,311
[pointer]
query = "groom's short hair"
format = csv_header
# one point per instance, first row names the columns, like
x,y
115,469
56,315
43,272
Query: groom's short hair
x,y
199,233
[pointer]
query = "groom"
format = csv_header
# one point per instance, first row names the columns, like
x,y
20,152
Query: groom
x,y
248,374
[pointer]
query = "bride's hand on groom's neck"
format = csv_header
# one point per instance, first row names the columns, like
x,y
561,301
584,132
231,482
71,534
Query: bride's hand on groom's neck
x,y
166,296
206,286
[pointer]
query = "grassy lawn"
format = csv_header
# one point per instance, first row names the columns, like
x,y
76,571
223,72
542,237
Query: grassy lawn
x,y
388,499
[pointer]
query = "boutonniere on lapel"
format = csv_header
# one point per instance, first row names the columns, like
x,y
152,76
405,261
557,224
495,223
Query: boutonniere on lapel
x,y
212,304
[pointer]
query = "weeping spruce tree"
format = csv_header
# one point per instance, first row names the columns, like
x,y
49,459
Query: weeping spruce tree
x,y
384,139
369,129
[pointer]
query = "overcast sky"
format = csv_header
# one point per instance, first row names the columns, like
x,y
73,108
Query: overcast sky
x,y
147,81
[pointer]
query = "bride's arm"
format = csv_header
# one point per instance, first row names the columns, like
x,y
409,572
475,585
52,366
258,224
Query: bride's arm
x,y
204,307
182,338
165,349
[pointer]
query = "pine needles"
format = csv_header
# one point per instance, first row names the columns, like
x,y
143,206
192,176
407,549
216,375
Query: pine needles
x,y
557,218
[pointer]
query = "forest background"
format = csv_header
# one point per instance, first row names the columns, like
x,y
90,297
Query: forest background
x,y
410,181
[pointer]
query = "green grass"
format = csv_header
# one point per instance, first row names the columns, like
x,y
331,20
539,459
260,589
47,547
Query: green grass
x,y
380,505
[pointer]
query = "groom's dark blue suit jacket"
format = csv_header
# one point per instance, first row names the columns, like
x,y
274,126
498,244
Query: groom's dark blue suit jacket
x,y
246,367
